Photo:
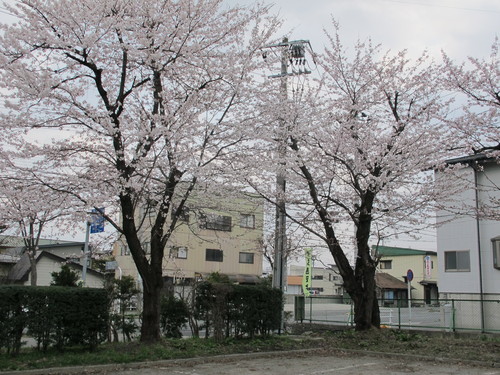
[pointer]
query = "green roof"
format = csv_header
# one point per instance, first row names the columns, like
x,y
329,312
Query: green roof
x,y
400,251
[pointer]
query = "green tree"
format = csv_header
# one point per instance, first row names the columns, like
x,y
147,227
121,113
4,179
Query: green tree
x,y
174,316
65,277
122,295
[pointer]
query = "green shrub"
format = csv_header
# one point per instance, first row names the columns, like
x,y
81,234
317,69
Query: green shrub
x,y
65,277
122,294
60,316
242,310
174,316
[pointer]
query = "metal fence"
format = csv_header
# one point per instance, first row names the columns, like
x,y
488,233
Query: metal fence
x,y
446,315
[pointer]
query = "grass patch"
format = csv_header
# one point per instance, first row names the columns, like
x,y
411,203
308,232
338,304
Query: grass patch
x,y
445,345
137,352
484,348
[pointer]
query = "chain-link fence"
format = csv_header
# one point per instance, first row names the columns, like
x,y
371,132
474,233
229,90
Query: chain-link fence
x,y
443,314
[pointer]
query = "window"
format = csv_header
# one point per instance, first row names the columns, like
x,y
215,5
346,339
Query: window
x,y
124,250
213,255
317,277
178,252
495,242
316,291
216,222
246,258
385,264
457,261
332,277
247,221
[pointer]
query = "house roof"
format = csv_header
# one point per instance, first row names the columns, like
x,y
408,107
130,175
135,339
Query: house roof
x,y
20,271
8,258
400,251
17,241
386,281
63,244
477,158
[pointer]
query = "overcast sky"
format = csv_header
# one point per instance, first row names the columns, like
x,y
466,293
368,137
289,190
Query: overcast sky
x,y
460,27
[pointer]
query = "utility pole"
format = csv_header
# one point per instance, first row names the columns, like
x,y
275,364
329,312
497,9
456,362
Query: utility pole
x,y
292,53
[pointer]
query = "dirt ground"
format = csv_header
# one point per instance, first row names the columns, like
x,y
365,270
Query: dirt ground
x,y
291,363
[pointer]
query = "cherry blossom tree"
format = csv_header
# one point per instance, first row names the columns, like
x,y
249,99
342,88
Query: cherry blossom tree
x,y
295,244
362,144
27,208
145,99
478,81
476,84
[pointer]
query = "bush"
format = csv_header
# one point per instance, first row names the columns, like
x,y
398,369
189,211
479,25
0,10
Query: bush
x,y
174,316
239,310
65,277
122,294
60,316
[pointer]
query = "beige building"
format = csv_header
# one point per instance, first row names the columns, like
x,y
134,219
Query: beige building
x,y
324,281
213,235
396,261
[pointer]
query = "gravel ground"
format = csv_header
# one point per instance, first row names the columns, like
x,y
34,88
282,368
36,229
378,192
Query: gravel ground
x,y
304,362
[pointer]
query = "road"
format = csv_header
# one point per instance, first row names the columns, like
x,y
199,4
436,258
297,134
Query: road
x,y
307,364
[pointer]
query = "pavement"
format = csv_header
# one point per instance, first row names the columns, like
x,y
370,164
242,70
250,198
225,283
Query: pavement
x,y
297,362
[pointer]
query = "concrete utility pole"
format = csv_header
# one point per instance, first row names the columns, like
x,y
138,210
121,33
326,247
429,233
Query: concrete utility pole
x,y
291,52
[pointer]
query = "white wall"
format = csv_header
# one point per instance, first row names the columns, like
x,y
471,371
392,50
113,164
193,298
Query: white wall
x,y
461,233
489,181
46,266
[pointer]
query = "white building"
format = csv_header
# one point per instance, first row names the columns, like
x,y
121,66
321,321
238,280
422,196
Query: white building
x,y
325,281
469,244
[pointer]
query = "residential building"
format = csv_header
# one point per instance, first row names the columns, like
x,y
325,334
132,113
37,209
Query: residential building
x,y
11,253
324,281
46,263
469,243
390,290
397,261
7,261
221,235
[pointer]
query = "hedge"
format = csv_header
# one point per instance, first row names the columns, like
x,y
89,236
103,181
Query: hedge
x,y
238,310
58,316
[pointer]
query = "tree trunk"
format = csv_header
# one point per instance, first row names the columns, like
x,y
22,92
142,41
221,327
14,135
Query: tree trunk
x,y
366,310
150,329
33,273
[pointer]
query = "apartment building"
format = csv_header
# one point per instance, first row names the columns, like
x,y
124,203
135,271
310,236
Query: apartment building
x,y
214,234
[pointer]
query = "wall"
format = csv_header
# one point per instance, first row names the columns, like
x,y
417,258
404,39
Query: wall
x,y
402,263
45,266
192,235
489,181
460,232
331,282
457,233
